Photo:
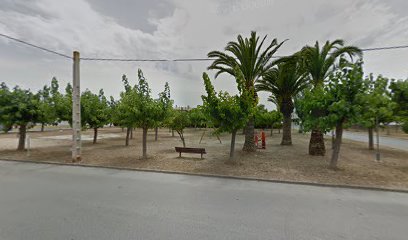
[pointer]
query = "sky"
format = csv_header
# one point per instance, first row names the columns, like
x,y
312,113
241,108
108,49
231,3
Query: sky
x,y
171,29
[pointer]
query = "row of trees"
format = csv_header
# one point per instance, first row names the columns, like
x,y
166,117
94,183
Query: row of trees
x,y
325,85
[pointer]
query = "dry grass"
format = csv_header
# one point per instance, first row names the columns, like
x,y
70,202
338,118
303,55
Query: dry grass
x,y
356,164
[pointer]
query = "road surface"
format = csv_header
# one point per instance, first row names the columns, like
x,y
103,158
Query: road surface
x,y
401,144
40,202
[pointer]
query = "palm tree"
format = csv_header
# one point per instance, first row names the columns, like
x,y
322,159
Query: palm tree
x,y
319,63
284,81
248,56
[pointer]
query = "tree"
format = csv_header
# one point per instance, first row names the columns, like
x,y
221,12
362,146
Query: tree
x,y
137,108
253,61
180,120
47,108
377,105
399,95
122,115
18,107
197,117
284,82
341,99
319,63
229,113
166,106
94,111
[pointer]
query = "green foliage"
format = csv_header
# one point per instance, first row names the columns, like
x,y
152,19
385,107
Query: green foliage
x,y
48,114
95,112
341,99
284,81
405,127
136,107
318,62
376,102
179,121
18,106
197,117
266,119
399,94
229,113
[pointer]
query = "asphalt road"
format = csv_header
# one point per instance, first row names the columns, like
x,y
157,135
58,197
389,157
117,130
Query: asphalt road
x,y
397,143
40,202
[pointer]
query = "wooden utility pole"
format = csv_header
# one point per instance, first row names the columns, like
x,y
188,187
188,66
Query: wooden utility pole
x,y
76,111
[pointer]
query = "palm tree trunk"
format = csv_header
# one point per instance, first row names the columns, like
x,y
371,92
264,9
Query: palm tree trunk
x,y
249,144
95,135
316,144
232,147
336,150
287,128
370,139
22,137
145,142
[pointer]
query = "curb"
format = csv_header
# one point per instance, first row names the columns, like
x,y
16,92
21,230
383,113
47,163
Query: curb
x,y
357,187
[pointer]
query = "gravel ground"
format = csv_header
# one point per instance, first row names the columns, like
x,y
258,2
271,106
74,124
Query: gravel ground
x,y
356,163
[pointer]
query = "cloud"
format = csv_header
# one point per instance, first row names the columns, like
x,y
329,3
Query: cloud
x,y
185,29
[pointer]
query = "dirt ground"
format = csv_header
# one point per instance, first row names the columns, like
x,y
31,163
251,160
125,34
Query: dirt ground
x,y
357,165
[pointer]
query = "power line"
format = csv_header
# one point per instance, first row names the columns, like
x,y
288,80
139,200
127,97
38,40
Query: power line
x,y
35,46
161,60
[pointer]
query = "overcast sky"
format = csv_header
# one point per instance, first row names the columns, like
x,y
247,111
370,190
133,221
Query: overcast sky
x,y
184,29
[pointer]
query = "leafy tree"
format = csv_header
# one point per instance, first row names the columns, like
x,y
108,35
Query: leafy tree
x,y
122,116
399,95
266,119
377,105
179,121
137,108
253,61
95,112
166,107
18,107
229,113
319,63
197,117
341,99
284,82
47,108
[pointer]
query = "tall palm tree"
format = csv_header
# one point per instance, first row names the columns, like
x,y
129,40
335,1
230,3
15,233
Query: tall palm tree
x,y
284,82
319,63
253,61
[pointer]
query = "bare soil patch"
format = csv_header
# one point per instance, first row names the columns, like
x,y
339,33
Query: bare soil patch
x,y
357,165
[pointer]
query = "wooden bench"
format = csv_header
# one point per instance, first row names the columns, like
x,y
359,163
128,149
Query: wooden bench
x,y
190,150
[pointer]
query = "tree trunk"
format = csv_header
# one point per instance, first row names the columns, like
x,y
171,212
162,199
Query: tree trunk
x,y
249,144
95,135
145,142
336,150
370,139
287,128
271,130
172,133
131,133
316,144
22,137
333,138
127,136
232,147
182,138
42,127
156,130
243,131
